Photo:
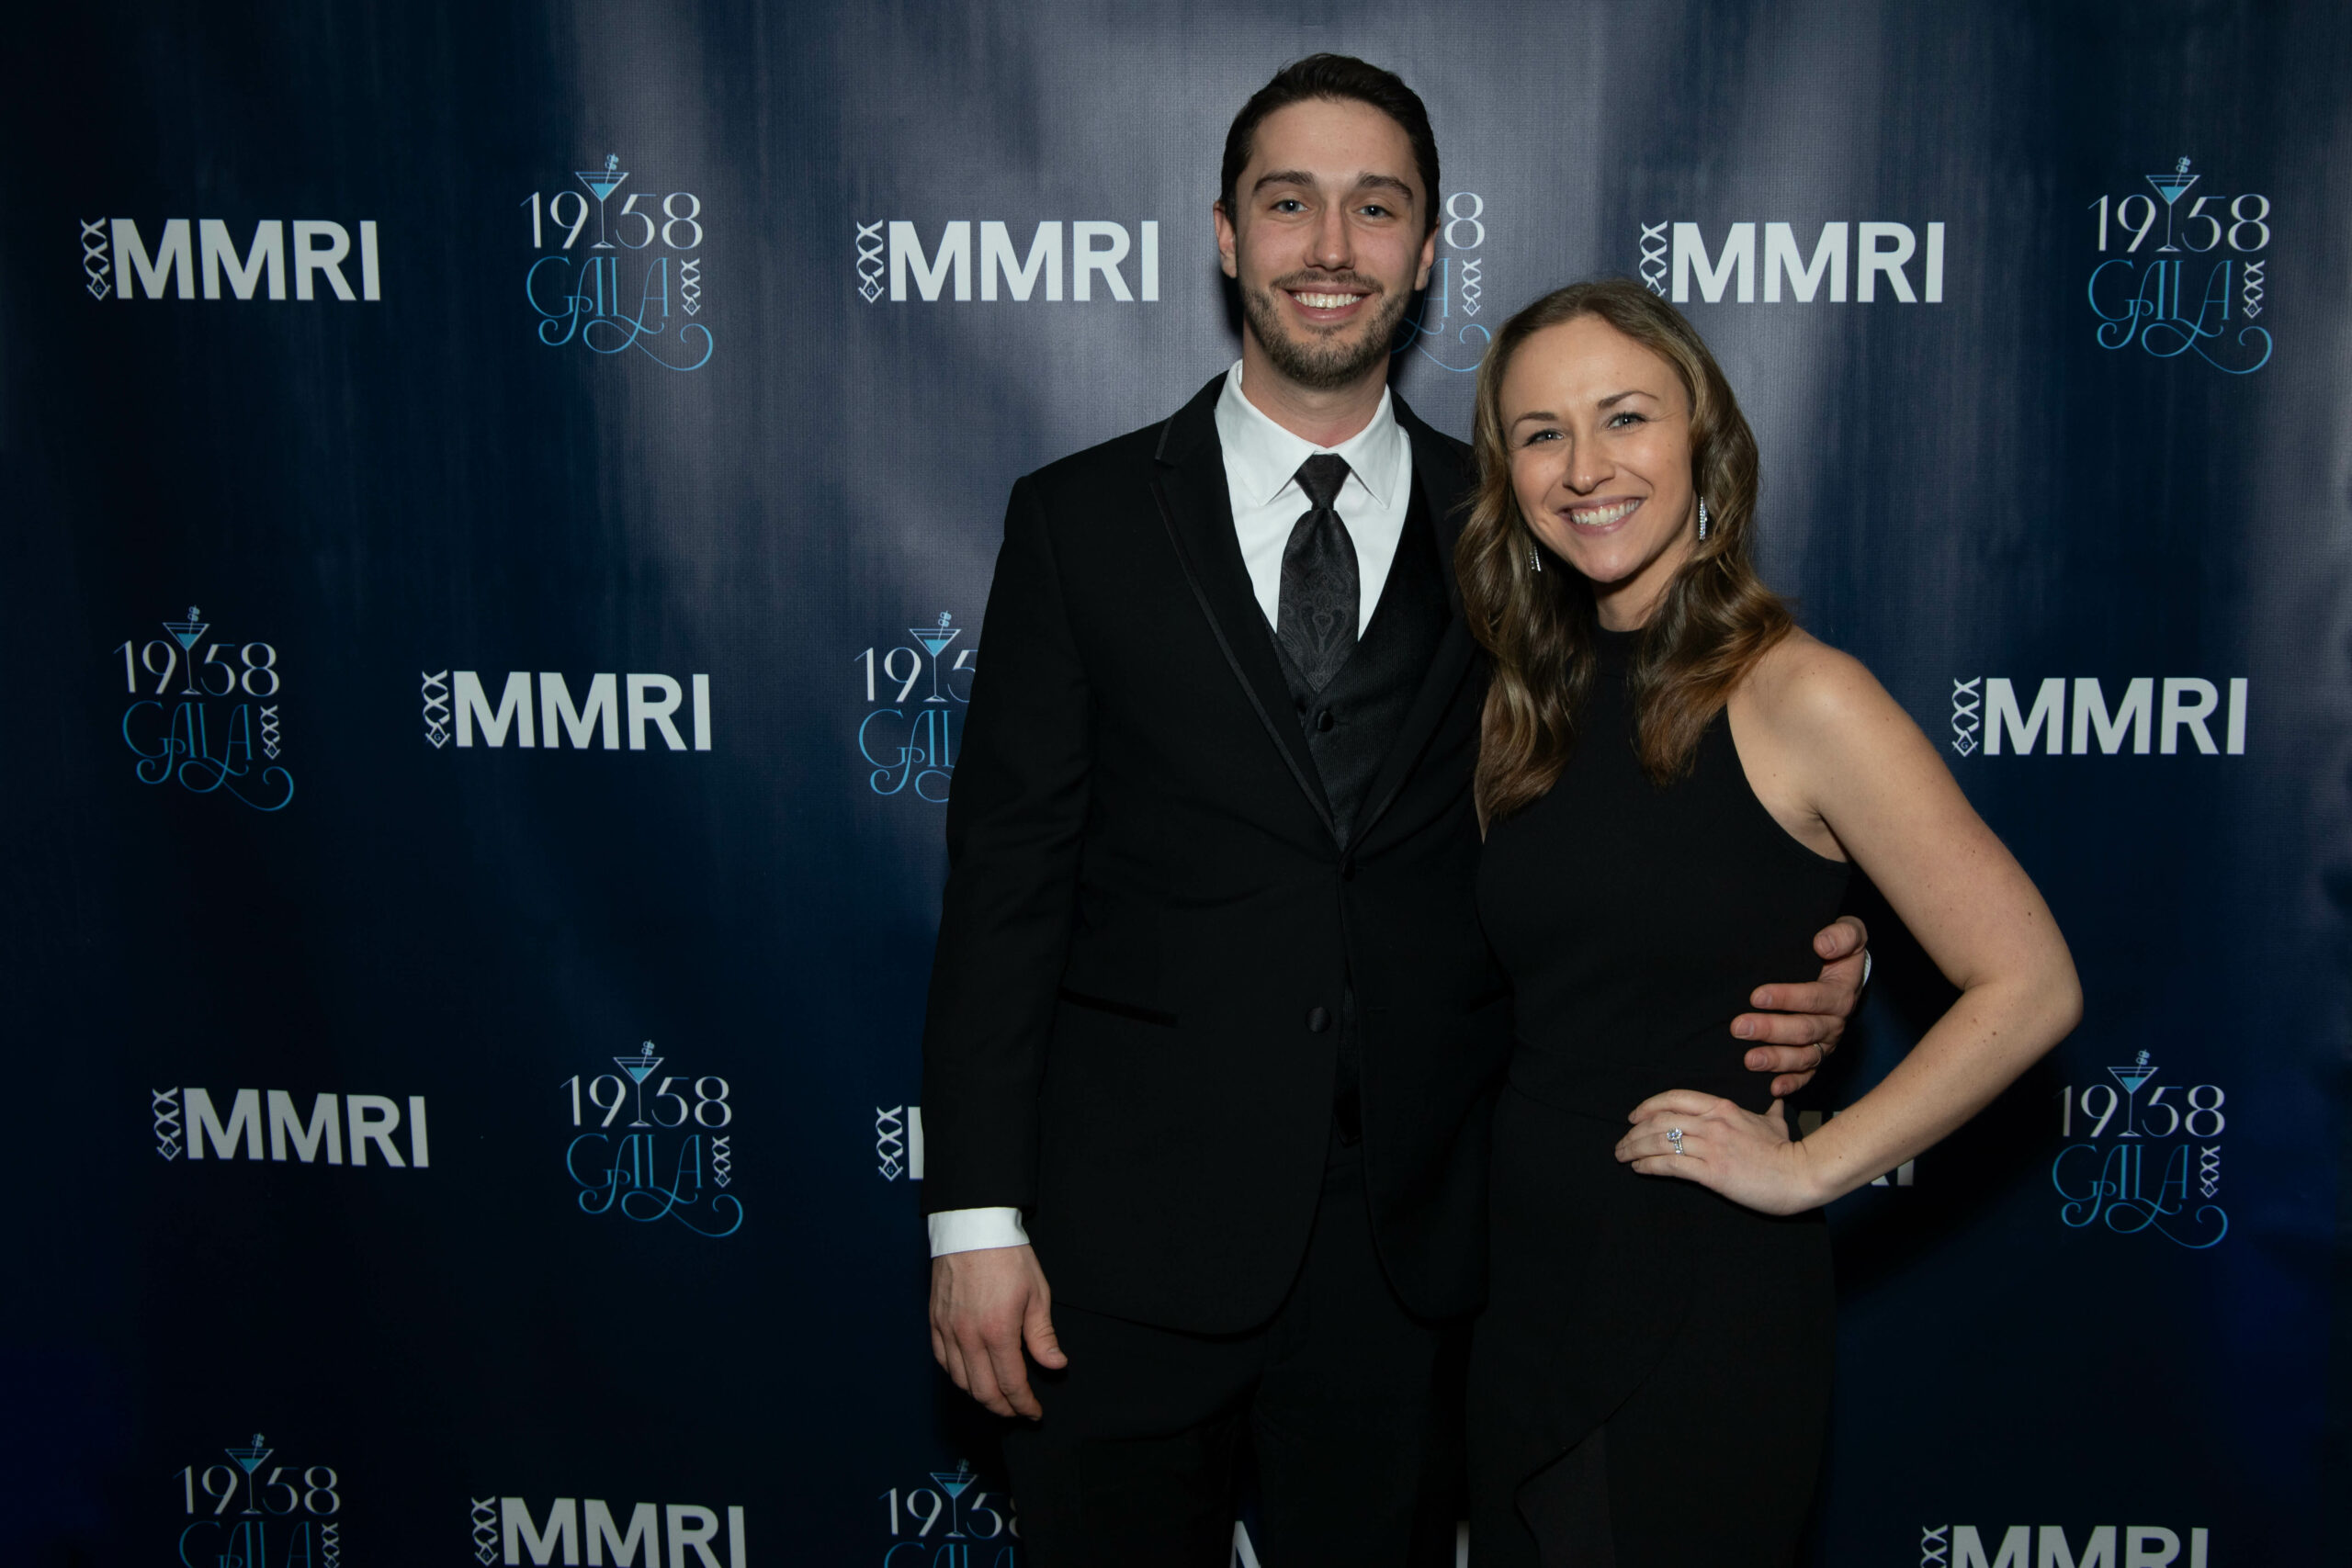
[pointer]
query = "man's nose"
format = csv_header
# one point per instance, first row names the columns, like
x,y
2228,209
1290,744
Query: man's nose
x,y
1334,246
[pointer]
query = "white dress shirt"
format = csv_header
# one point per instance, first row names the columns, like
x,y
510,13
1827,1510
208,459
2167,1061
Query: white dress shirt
x,y
1261,462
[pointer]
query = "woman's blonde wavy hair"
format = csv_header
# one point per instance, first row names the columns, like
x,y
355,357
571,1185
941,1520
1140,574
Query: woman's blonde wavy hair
x,y
1714,622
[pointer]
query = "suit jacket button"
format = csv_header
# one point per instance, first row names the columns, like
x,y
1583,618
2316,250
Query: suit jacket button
x,y
1323,721
1318,1020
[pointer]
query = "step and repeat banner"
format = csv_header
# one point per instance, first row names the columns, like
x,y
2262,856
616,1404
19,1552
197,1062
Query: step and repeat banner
x,y
499,505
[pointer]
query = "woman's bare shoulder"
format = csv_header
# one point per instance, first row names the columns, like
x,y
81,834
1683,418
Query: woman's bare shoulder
x,y
1826,703
1803,682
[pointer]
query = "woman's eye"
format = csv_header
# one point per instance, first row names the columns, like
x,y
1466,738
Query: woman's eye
x,y
1543,435
1625,419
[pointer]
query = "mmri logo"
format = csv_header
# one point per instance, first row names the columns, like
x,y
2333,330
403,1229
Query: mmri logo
x,y
891,253
508,1533
2025,1546
897,1141
457,704
1874,256
1987,714
335,1126
114,255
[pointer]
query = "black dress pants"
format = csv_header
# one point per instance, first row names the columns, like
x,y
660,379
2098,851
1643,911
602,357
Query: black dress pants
x,y
1347,1400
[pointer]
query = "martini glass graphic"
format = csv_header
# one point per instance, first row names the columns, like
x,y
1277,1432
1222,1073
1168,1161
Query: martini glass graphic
x,y
602,183
640,1067
2132,1077
955,1484
187,633
248,1458
936,638
2170,186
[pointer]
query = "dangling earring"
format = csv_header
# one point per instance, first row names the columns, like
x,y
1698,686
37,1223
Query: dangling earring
x,y
1703,518
1535,562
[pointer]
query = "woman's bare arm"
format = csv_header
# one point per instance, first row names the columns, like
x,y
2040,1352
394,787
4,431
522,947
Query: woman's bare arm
x,y
1844,769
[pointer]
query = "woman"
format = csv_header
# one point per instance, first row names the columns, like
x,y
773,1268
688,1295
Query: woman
x,y
1677,781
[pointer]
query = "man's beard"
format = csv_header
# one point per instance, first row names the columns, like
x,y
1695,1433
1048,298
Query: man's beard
x,y
1321,364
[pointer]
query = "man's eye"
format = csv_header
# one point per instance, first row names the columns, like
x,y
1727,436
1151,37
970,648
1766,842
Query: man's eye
x,y
1289,204
1374,209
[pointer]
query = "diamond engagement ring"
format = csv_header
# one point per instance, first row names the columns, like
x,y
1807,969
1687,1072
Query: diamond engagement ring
x,y
1674,1136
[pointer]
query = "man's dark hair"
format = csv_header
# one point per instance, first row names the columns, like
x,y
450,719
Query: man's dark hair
x,y
1342,78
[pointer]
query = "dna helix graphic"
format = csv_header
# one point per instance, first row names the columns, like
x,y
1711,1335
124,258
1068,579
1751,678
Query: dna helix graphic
x,y
436,709
168,1132
330,1545
1967,717
269,736
722,1162
1466,291
690,284
486,1530
2208,1169
890,1141
95,262
1934,1548
2251,291
869,259
1654,253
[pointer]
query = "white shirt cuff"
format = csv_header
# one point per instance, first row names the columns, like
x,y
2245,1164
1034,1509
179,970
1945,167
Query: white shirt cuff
x,y
969,1230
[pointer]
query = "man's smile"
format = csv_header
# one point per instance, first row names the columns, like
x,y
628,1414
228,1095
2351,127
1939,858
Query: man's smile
x,y
1327,302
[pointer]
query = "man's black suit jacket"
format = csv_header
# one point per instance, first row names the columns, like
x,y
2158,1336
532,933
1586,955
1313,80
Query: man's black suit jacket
x,y
1149,927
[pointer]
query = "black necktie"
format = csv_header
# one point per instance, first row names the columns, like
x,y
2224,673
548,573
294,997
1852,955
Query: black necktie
x,y
1320,596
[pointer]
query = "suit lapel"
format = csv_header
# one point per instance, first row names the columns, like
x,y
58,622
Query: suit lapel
x,y
1196,505
1444,486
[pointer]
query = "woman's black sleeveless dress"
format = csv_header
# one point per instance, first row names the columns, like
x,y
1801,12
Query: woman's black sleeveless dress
x,y
1650,1384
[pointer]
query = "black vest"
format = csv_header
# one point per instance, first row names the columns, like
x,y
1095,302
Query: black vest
x,y
1352,722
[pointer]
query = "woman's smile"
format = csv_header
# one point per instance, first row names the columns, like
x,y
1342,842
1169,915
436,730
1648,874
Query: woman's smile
x,y
1600,516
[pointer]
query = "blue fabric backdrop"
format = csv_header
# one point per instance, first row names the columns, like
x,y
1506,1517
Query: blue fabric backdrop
x,y
500,504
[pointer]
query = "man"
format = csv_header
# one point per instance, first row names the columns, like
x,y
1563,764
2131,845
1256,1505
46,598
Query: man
x,y
1211,1004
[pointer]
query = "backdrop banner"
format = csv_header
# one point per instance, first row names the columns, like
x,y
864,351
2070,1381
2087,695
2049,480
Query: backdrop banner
x,y
500,501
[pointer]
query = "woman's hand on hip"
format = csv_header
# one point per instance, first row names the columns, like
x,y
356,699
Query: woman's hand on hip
x,y
1749,1158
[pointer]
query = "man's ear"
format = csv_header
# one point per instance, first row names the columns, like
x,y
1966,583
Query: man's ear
x,y
1429,259
1226,239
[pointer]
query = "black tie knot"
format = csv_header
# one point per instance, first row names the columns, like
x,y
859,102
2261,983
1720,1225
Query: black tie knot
x,y
1321,476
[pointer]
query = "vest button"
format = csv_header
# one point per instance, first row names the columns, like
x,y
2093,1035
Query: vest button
x,y
1323,721
1318,1020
